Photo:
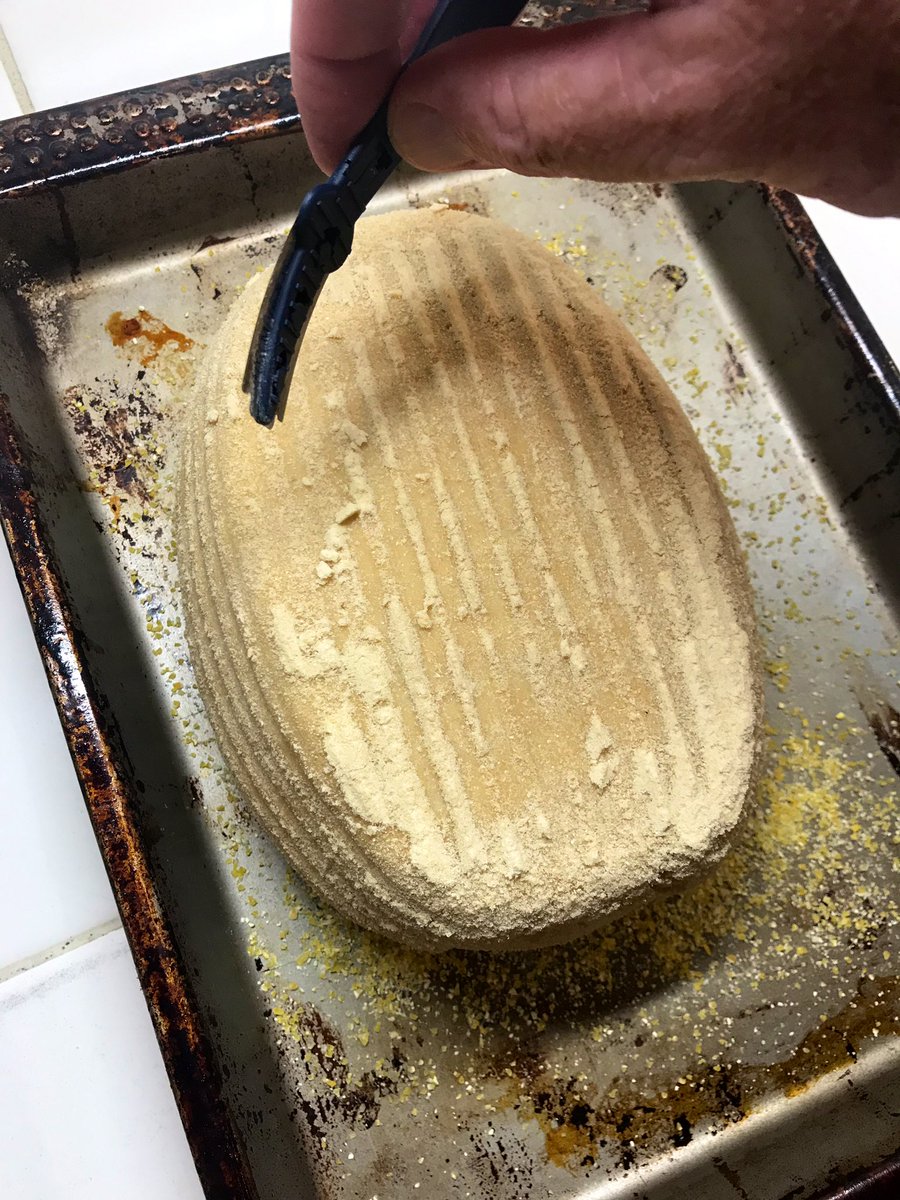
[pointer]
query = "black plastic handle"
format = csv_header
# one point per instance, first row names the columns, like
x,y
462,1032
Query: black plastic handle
x,y
322,234
371,160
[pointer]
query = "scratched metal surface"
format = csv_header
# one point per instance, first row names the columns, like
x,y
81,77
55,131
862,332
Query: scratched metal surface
x,y
688,1051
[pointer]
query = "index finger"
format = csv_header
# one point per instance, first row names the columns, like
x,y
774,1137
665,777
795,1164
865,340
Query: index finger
x,y
345,54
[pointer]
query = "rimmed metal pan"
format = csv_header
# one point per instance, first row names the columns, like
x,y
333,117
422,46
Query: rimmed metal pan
x,y
738,1042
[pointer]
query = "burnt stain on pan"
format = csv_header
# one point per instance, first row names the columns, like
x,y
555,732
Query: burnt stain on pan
x,y
581,1125
115,428
885,724
731,1177
673,274
735,373
503,1166
357,1105
211,240
352,1103
580,1120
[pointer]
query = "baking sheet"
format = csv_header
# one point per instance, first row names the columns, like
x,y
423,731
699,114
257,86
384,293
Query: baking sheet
x,y
739,1040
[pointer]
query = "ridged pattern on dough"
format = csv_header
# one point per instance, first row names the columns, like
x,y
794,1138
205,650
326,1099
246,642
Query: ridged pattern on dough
x,y
471,624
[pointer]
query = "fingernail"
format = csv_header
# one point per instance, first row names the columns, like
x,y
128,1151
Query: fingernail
x,y
424,137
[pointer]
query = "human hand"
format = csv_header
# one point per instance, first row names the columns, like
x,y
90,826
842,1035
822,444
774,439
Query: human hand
x,y
804,94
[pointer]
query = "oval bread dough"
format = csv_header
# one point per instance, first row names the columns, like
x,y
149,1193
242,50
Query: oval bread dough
x,y
471,625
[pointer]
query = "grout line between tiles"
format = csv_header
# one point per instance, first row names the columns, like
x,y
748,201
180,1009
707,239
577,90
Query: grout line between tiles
x,y
51,952
17,83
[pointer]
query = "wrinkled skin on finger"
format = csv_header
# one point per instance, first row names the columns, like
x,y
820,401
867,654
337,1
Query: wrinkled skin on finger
x,y
804,94
345,55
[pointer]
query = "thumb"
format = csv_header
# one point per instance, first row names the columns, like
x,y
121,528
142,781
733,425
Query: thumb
x,y
631,99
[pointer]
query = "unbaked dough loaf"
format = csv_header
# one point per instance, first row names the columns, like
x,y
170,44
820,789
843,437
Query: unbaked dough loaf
x,y
471,624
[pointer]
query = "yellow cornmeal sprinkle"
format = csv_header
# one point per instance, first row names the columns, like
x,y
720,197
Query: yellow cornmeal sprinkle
x,y
779,672
790,884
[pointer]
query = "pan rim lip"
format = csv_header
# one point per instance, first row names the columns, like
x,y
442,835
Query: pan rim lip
x,y
190,114
125,130
109,788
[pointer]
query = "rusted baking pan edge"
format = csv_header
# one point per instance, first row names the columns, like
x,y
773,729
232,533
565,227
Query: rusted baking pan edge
x,y
874,364
116,133
105,781
61,148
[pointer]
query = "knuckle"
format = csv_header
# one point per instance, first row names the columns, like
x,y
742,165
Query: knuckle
x,y
516,129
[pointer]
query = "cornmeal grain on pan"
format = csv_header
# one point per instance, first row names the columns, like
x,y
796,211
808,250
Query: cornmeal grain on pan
x,y
471,624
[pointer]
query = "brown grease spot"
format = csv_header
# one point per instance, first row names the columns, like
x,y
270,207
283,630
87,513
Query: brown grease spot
x,y
129,332
577,1119
565,1143
836,1042
114,504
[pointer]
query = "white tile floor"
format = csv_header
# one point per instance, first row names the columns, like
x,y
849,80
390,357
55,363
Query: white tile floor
x,y
85,1106
85,1110
9,105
